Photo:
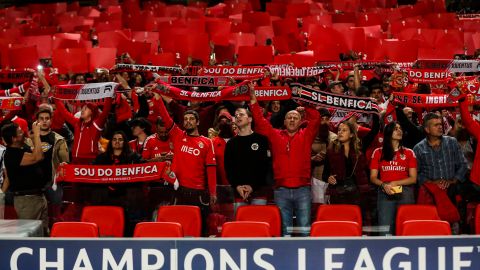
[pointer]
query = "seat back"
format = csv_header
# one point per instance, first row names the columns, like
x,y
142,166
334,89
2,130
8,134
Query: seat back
x,y
158,229
246,229
414,212
477,220
339,212
262,213
187,215
335,228
109,219
74,229
426,227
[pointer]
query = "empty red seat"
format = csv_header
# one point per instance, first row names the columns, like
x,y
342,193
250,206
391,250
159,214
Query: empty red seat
x,y
339,212
187,215
158,229
109,219
74,229
263,213
246,229
425,227
335,228
414,212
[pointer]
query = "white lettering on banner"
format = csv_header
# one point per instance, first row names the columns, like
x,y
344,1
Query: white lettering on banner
x,y
333,258
212,94
364,258
109,260
271,93
190,150
259,261
136,170
227,260
457,257
436,99
157,254
82,259
198,251
329,263
16,254
44,264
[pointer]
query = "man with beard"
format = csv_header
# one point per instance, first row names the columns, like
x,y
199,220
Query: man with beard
x,y
194,164
158,146
225,133
55,152
247,150
319,151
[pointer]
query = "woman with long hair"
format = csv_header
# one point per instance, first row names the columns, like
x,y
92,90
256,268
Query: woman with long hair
x,y
394,170
345,167
118,152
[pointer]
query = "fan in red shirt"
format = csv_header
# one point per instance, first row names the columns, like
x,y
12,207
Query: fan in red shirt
x,y
158,146
140,130
393,167
194,164
219,143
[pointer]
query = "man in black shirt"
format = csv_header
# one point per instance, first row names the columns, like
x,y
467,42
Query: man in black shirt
x,y
247,162
55,152
26,177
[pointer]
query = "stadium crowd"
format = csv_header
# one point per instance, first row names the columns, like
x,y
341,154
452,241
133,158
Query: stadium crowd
x,y
220,155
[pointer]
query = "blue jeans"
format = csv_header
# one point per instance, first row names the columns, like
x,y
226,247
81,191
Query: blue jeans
x,y
294,200
387,205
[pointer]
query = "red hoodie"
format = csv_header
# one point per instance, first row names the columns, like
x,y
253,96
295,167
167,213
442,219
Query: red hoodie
x,y
474,128
86,135
291,154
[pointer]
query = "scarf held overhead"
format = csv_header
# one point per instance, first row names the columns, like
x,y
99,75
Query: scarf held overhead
x,y
11,103
239,92
83,92
208,81
291,71
12,76
236,72
111,174
147,68
304,93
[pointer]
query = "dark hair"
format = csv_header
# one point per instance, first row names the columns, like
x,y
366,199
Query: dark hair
x,y
160,122
429,116
44,110
8,132
195,113
143,124
126,150
387,150
247,111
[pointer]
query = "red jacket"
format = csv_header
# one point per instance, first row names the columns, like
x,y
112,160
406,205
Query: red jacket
x,y
291,154
474,128
86,135
219,147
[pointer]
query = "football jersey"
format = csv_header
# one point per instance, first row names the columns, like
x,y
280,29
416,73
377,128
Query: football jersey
x,y
153,147
192,155
394,170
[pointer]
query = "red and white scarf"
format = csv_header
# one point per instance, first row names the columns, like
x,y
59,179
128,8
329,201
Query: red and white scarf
x,y
85,92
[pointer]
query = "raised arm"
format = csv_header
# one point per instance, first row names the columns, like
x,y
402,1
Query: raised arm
x,y
64,113
262,126
468,122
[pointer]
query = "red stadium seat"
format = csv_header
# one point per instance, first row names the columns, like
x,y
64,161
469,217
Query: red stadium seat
x,y
477,220
246,229
188,216
158,229
74,229
414,212
263,213
339,212
109,219
335,228
425,227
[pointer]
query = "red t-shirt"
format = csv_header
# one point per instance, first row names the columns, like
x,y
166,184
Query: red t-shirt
x,y
153,147
396,169
219,147
192,155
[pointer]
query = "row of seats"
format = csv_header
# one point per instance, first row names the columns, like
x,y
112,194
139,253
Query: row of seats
x,y
250,221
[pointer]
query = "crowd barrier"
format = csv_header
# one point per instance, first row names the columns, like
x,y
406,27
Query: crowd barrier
x,y
440,253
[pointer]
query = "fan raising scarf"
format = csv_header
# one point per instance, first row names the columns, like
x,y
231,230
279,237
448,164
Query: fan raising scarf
x,y
11,76
304,93
84,92
147,68
238,92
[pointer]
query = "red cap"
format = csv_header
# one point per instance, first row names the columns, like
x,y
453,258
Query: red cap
x,y
226,115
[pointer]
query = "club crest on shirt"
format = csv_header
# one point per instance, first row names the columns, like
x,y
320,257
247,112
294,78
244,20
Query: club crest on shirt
x,y
170,144
402,156
254,146
200,144
184,140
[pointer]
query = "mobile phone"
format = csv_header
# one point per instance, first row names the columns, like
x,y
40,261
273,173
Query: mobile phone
x,y
397,189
